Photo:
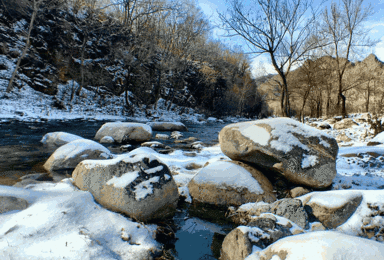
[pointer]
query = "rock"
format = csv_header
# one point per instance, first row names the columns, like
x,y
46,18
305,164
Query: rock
x,y
298,191
344,124
126,147
162,136
9,203
332,208
236,245
186,141
193,166
324,125
373,224
343,138
316,226
70,154
167,126
107,140
230,183
291,209
153,144
302,154
59,138
197,145
322,245
261,232
245,213
125,132
138,185
176,135
373,143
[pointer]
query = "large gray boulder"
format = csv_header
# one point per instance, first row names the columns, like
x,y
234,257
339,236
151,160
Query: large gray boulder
x,y
303,154
138,185
59,138
70,154
125,132
167,126
230,183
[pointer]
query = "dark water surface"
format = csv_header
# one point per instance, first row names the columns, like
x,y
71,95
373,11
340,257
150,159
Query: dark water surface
x,y
21,153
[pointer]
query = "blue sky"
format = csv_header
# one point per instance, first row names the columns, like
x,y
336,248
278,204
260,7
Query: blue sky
x,y
375,24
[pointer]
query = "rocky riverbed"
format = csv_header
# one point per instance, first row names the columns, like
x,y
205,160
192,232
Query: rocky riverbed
x,y
197,230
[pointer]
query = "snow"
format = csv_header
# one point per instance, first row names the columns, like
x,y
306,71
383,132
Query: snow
x,y
379,138
59,138
330,199
281,134
145,188
72,149
64,221
227,174
308,161
323,245
256,133
124,180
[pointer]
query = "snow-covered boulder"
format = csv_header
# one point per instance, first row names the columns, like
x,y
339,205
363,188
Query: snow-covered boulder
x,y
321,245
107,140
303,154
70,154
59,138
138,185
230,183
261,232
167,126
10,203
292,209
125,132
379,138
344,124
332,208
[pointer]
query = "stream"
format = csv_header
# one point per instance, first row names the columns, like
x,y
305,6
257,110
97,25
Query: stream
x,y
22,153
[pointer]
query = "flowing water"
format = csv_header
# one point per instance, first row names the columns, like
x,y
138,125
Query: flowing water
x,y
21,153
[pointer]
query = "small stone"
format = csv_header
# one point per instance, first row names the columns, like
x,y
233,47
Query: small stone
x,y
298,191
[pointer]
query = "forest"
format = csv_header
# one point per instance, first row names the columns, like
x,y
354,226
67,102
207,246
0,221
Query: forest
x,y
152,49
145,49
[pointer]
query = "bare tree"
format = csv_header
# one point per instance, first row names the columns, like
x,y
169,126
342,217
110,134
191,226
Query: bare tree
x,y
342,24
36,7
279,28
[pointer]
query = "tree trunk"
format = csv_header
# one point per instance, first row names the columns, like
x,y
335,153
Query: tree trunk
x,y
367,103
284,102
27,44
158,87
